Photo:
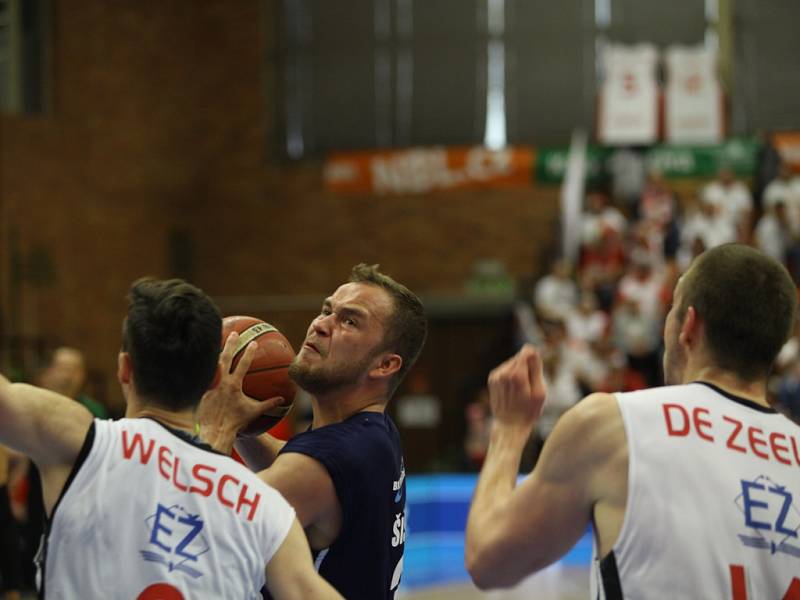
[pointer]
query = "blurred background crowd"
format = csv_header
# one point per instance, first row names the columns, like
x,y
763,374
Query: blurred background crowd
x,y
599,322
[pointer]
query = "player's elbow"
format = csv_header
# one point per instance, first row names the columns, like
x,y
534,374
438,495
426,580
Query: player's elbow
x,y
474,563
483,568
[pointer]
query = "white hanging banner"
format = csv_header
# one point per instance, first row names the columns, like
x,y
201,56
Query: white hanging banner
x,y
693,96
628,111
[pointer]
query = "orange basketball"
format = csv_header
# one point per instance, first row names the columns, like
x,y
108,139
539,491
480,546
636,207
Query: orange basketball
x,y
268,375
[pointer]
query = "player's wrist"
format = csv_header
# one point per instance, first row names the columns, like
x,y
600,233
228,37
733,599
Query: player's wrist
x,y
515,432
220,437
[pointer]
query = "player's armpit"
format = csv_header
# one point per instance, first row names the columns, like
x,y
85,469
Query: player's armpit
x,y
514,531
46,426
290,573
307,486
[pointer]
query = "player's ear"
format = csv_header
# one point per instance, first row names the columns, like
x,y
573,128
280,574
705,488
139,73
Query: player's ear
x,y
124,368
689,327
387,365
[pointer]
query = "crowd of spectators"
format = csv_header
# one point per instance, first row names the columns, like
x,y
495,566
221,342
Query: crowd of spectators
x,y
598,322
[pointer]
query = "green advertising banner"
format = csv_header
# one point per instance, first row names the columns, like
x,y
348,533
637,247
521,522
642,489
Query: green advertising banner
x,y
673,161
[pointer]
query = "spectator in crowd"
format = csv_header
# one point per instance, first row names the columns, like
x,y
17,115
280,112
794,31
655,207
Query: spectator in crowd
x,y
732,201
618,376
638,335
600,218
66,375
642,284
690,238
570,370
649,238
657,203
602,264
556,294
774,234
785,187
767,164
588,323
708,222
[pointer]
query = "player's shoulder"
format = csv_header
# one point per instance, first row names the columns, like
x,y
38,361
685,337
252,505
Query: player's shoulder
x,y
596,406
589,421
598,419
665,391
362,426
363,434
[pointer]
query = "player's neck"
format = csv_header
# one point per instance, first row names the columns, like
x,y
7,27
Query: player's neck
x,y
184,419
731,383
338,406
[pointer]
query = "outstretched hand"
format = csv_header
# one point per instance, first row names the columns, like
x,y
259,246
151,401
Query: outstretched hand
x,y
225,409
517,389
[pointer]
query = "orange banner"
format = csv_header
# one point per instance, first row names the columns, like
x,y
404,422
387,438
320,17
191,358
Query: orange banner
x,y
421,170
787,143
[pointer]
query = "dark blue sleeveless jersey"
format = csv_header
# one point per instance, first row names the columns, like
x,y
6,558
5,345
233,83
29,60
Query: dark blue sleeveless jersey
x,y
364,459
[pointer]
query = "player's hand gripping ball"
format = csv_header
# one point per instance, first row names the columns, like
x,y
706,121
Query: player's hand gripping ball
x,y
268,375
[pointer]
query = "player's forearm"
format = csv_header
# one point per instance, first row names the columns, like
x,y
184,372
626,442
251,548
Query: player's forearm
x,y
496,483
259,452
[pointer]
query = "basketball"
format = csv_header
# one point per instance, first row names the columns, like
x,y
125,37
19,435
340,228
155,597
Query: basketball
x,y
268,375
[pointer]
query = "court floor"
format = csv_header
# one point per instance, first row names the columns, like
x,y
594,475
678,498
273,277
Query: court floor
x,y
554,583
433,569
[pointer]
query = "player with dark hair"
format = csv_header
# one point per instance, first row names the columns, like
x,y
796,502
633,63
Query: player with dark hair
x,y
139,508
345,475
693,489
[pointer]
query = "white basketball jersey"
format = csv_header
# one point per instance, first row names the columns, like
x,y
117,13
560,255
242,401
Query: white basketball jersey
x,y
713,505
149,514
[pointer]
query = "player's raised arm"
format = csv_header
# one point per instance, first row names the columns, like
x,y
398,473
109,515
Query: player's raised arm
x,y
515,530
46,426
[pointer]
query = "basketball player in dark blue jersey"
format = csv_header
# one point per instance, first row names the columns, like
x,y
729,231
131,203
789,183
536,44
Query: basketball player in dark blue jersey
x,y
345,475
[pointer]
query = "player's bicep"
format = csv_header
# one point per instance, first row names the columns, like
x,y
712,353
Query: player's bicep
x,y
306,485
290,573
46,426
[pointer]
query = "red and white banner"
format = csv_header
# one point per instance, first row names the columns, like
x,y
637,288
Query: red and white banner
x,y
421,170
693,96
628,108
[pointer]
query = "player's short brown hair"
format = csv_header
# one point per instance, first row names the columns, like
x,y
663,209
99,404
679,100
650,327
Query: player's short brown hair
x,y
173,333
748,303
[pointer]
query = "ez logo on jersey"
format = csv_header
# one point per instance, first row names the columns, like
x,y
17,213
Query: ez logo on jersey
x,y
176,539
771,514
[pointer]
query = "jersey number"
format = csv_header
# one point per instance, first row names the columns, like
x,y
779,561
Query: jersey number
x,y
739,589
160,591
